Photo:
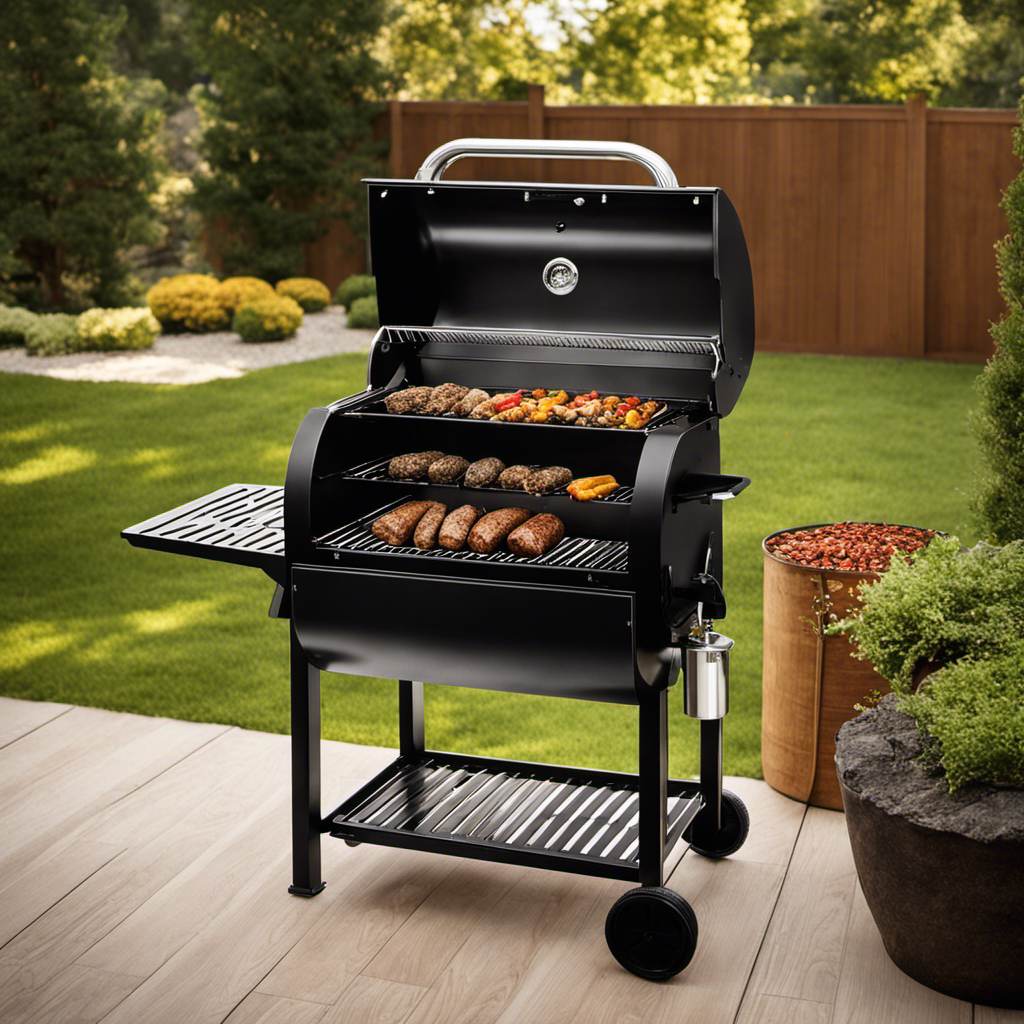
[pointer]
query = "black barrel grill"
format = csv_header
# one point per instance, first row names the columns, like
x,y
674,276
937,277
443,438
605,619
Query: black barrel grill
x,y
626,290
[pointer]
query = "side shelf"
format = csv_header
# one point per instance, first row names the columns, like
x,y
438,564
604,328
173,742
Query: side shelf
x,y
240,523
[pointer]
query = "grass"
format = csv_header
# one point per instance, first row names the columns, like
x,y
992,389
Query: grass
x,y
87,619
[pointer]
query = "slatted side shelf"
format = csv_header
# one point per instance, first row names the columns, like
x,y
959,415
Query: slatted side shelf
x,y
240,523
536,815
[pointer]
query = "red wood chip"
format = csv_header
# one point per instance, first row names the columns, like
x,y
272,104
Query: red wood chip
x,y
854,547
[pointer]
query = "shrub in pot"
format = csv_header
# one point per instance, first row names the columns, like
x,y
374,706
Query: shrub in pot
x,y
933,777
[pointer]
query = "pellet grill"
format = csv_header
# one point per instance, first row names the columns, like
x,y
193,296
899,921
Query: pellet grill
x,y
630,290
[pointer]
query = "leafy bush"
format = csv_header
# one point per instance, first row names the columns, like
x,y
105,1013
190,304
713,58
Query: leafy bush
x,y
312,295
363,312
271,319
357,286
14,325
971,717
113,329
947,604
188,302
53,334
234,292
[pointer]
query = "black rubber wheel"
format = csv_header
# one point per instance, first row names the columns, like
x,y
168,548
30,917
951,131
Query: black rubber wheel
x,y
733,831
652,932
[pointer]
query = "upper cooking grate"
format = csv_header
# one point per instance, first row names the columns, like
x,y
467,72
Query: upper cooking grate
x,y
556,339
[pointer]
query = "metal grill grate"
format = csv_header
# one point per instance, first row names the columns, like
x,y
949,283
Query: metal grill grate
x,y
377,469
518,808
570,552
556,339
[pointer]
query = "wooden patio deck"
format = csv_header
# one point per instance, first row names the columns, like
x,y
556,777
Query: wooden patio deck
x,y
144,873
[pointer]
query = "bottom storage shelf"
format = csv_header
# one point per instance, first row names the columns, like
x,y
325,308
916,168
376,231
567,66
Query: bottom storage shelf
x,y
538,815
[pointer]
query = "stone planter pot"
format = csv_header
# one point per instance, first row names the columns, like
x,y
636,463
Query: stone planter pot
x,y
942,875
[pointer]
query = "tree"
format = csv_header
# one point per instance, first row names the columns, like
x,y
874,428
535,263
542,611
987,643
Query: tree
x,y
993,71
665,51
289,110
999,420
76,163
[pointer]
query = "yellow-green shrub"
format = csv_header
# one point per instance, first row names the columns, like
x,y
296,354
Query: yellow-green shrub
x,y
105,330
188,302
358,286
312,295
271,319
235,292
363,313
53,334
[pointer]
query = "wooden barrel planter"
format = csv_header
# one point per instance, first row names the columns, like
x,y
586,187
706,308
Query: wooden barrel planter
x,y
811,682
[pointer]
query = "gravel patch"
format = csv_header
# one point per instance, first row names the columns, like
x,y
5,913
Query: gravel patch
x,y
195,358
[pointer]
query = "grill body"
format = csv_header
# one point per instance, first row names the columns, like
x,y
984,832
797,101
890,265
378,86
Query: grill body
x,y
660,307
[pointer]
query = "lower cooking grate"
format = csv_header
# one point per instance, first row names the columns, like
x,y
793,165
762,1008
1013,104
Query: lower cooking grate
x,y
570,552
377,469
511,805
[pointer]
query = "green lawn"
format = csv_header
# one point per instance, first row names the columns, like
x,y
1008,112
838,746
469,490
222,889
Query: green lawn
x,y
87,619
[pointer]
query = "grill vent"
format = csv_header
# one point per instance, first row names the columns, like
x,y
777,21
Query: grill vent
x,y
708,347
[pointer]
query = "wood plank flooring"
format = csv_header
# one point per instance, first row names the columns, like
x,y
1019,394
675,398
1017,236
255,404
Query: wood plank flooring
x,y
144,867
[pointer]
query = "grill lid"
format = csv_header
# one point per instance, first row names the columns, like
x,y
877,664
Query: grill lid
x,y
666,266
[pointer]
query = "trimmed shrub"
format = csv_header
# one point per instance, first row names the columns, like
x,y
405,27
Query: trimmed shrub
x,y
188,302
358,286
235,292
53,334
363,313
312,295
271,319
15,324
104,330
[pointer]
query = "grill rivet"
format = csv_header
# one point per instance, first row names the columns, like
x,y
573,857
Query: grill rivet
x,y
430,191
696,200
579,200
384,193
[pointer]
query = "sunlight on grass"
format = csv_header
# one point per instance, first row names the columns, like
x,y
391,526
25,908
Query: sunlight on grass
x,y
35,432
55,461
25,642
178,615
275,455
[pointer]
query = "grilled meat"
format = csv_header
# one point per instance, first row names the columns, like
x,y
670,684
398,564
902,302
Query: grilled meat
x,y
456,527
425,534
413,466
589,487
490,530
484,472
443,397
537,535
447,470
396,526
408,400
466,405
514,478
550,478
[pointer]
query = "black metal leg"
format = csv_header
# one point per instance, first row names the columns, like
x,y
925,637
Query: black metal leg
x,y
306,880
410,717
653,783
708,822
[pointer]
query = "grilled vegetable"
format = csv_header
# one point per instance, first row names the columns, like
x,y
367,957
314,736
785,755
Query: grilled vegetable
x,y
589,487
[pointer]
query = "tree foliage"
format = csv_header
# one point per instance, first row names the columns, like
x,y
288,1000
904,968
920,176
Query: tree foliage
x,y
999,420
76,157
288,123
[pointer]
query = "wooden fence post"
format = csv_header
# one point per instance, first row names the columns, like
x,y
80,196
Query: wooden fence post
x,y
396,155
917,220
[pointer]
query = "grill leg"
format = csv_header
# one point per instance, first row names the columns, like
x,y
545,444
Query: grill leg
x,y
653,785
306,879
410,717
708,822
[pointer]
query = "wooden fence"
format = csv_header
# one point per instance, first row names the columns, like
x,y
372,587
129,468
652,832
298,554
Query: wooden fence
x,y
870,229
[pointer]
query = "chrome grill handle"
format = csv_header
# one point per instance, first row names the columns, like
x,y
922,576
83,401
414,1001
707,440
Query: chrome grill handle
x,y
569,149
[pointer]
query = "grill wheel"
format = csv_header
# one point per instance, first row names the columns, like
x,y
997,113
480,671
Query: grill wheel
x,y
652,932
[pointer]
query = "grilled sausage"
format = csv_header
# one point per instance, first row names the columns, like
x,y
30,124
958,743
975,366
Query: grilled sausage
x,y
443,397
514,478
396,526
408,400
536,536
412,467
490,530
466,405
425,535
484,472
548,479
456,527
447,470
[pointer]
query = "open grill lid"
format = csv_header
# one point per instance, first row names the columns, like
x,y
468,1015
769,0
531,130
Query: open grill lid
x,y
659,274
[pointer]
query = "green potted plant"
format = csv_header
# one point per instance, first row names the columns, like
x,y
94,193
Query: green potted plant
x,y
932,778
